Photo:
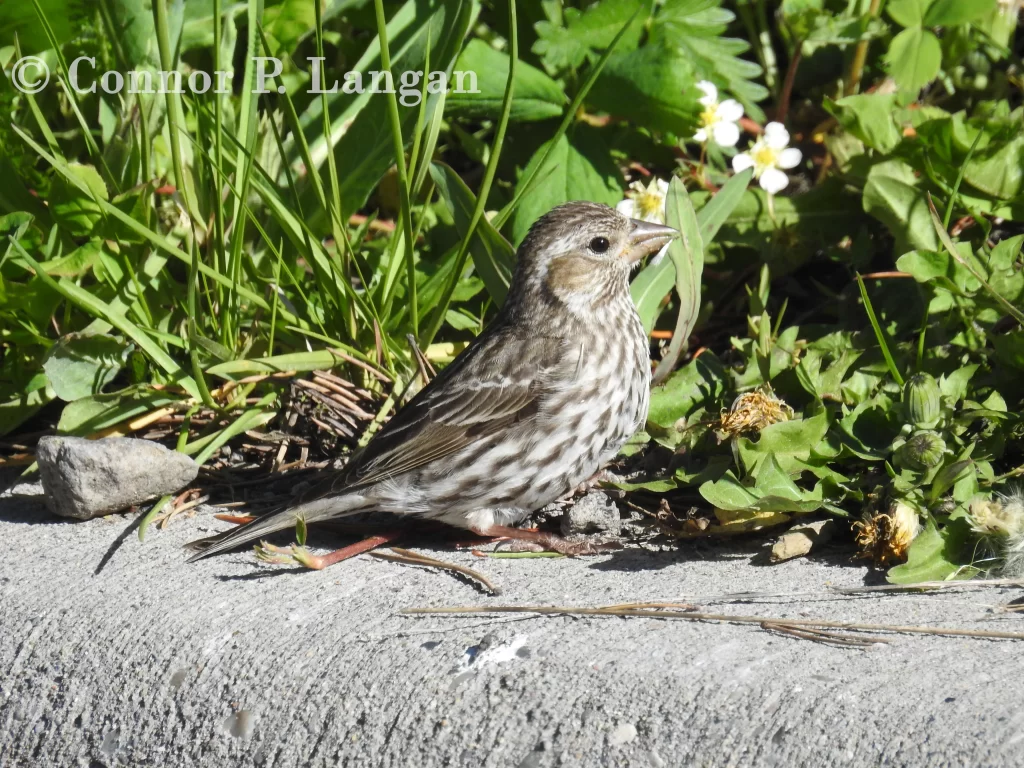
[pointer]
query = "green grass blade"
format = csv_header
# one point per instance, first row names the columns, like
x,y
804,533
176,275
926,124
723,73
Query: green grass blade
x,y
485,185
879,334
96,308
570,115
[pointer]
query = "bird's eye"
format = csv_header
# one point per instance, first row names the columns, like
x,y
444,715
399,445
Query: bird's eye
x,y
599,244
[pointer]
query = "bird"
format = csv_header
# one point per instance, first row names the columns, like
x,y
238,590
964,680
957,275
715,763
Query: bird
x,y
545,396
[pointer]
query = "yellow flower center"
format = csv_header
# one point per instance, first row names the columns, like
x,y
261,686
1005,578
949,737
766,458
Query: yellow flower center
x,y
764,157
647,204
709,116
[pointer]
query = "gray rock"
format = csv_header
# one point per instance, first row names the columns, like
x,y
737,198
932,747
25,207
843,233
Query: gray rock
x,y
89,478
594,513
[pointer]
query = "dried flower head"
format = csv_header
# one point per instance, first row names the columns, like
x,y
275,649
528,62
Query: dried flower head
x,y
1002,516
885,537
753,411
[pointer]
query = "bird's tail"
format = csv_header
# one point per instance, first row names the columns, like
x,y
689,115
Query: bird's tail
x,y
310,512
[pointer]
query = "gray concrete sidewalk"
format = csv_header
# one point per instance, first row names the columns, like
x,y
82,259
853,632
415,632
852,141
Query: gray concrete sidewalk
x,y
153,662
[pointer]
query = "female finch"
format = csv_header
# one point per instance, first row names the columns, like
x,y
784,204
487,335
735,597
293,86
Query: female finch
x,y
547,394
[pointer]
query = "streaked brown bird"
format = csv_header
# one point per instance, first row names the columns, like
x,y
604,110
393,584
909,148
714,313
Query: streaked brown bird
x,y
537,404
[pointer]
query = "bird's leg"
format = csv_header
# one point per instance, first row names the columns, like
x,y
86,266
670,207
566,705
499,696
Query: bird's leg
x,y
297,555
549,542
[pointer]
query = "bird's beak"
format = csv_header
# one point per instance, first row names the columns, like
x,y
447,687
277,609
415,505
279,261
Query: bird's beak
x,y
646,238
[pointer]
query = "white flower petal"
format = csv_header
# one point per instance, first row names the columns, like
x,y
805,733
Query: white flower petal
x,y
726,134
701,135
790,158
776,136
730,110
638,187
662,187
741,162
773,180
710,92
626,207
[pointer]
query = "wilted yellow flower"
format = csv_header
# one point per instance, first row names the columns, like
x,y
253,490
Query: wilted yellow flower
x,y
885,537
753,411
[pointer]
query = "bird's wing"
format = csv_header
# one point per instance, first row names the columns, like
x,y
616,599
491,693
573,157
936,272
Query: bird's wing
x,y
500,380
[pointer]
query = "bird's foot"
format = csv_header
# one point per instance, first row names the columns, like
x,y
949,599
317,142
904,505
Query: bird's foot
x,y
299,555
595,480
531,540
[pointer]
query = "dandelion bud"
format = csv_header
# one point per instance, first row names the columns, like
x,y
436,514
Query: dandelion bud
x,y
921,399
921,452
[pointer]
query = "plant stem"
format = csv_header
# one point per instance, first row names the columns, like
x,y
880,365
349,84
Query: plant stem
x,y
860,55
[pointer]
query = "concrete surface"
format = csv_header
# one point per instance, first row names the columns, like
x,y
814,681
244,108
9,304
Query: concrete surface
x,y
226,662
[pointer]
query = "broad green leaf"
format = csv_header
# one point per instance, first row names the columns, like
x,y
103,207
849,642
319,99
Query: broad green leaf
x,y
655,84
99,412
869,117
75,209
535,96
567,45
286,22
76,263
948,13
914,58
579,167
696,29
17,410
998,169
699,384
892,196
493,256
934,555
789,443
78,365
907,13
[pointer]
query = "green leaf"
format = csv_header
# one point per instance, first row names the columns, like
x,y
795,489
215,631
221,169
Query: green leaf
x,y
650,287
285,22
579,167
75,210
17,410
655,84
98,412
892,196
699,384
78,365
363,151
696,28
998,169
948,13
907,13
914,58
493,256
869,117
790,443
567,45
536,96
687,256
934,555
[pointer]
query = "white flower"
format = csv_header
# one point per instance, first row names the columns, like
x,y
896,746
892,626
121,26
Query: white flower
x,y
645,203
718,120
768,156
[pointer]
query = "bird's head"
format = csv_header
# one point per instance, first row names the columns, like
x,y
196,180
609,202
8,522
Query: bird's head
x,y
580,255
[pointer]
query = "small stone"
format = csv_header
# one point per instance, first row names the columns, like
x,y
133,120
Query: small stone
x,y
622,734
90,478
594,513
